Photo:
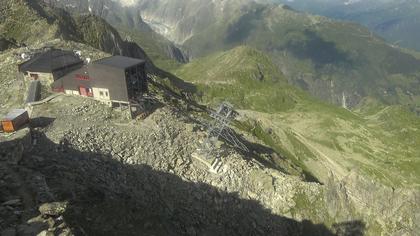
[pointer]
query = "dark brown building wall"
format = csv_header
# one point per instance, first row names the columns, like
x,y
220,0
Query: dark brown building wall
x,y
111,78
121,82
75,79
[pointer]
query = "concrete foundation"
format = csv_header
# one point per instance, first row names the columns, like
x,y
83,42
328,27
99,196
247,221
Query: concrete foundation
x,y
213,164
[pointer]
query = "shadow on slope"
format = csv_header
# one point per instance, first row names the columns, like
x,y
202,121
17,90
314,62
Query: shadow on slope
x,y
176,82
239,31
396,62
107,197
271,158
319,51
6,43
132,49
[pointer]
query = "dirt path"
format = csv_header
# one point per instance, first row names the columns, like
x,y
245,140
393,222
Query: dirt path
x,y
330,164
338,169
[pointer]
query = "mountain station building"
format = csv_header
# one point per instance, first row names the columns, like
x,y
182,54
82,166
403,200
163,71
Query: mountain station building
x,y
112,80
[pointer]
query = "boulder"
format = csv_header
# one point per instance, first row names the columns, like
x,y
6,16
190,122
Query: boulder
x,y
53,208
14,202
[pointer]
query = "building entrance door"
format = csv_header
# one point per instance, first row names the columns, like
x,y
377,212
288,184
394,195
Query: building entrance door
x,y
87,92
83,91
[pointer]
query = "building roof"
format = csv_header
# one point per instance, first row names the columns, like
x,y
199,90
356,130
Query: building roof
x,y
49,61
13,114
119,62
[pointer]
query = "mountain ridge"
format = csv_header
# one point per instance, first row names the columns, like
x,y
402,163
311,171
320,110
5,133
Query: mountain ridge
x,y
128,21
396,21
329,59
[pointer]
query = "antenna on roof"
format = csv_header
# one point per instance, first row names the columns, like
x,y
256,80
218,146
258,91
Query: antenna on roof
x,y
77,53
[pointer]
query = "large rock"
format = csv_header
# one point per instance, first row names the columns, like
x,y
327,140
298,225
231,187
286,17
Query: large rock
x,y
53,208
14,202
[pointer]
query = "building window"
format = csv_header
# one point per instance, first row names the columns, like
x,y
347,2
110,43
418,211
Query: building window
x,y
34,76
106,94
101,93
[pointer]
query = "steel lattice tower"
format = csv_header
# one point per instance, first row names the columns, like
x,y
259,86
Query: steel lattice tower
x,y
220,128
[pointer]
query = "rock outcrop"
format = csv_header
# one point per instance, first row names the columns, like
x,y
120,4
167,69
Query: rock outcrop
x,y
51,23
6,44
124,16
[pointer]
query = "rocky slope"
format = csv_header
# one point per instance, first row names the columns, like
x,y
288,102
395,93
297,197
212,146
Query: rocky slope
x,y
128,20
188,19
34,23
138,178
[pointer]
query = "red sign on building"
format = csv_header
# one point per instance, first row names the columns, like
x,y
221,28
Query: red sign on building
x,y
82,77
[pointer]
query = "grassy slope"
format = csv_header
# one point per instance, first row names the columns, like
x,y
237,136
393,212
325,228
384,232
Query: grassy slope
x,y
315,47
376,140
246,76
24,24
33,23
